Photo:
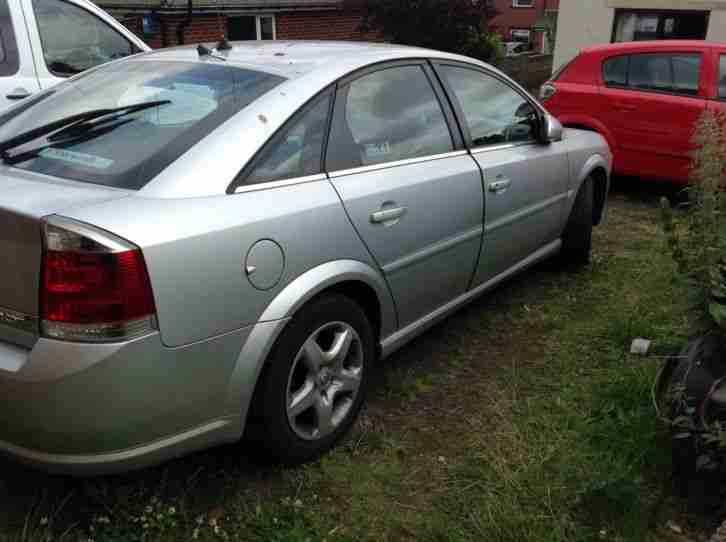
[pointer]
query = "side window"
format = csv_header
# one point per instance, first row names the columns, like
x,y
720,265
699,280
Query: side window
x,y
494,112
674,72
686,73
9,62
722,78
650,72
615,71
74,39
392,114
296,152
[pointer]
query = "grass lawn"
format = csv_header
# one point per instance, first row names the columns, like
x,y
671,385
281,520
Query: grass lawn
x,y
521,418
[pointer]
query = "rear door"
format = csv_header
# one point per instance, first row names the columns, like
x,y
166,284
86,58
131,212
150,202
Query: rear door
x,y
526,183
69,37
17,73
654,100
411,191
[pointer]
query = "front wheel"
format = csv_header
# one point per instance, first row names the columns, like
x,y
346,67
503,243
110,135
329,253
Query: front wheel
x,y
315,381
577,237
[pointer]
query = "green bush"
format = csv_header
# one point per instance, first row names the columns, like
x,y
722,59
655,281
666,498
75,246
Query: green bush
x,y
697,237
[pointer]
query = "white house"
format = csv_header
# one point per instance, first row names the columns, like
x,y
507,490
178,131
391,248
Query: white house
x,y
587,22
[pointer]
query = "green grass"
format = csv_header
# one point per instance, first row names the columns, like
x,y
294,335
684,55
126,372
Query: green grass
x,y
521,418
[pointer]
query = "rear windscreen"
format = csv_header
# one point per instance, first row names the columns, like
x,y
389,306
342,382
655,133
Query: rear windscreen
x,y
129,150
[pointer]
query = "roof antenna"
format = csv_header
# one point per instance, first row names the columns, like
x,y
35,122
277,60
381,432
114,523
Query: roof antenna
x,y
222,44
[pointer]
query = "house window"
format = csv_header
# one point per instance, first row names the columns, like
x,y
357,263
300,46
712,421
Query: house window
x,y
522,3
251,27
521,34
639,25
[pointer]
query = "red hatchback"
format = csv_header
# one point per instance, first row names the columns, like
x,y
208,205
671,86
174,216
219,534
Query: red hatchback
x,y
644,98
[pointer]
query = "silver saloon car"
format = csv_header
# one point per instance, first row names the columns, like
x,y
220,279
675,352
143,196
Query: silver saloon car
x,y
203,244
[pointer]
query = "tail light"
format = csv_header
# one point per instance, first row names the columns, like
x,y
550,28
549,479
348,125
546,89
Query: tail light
x,y
94,285
547,91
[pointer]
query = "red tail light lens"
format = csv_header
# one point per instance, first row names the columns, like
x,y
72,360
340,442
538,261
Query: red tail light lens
x,y
94,286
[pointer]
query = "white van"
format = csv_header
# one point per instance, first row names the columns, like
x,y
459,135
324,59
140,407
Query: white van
x,y
44,41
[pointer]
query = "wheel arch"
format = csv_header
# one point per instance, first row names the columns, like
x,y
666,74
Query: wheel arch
x,y
353,278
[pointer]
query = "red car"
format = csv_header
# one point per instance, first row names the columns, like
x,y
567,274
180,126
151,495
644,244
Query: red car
x,y
644,98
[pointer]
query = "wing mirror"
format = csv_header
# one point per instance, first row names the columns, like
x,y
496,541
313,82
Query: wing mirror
x,y
551,129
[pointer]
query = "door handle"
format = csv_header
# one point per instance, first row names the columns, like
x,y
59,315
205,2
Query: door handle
x,y
388,216
500,185
17,94
621,106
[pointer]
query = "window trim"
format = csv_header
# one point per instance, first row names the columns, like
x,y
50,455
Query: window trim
x,y
461,118
698,95
238,184
10,65
134,47
433,79
516,4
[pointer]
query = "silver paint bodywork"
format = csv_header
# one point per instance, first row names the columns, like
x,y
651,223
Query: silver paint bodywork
x,y
448,233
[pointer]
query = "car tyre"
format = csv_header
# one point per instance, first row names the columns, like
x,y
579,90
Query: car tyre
x,y
577,236
314,382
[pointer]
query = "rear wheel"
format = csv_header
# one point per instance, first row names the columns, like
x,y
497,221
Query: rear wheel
x,y
577,237
315,381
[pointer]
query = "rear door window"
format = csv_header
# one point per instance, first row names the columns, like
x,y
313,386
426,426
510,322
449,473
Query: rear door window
x,y
9,61
722,78
677,73
385,116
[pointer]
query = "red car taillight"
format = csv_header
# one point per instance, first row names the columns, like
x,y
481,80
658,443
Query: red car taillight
x,y
94,285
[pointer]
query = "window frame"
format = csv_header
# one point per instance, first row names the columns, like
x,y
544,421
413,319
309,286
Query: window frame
x,y
670,52
719,54
239,183
461,118
258,25
452,125
662,14
10,64
134,48
521,29
518,4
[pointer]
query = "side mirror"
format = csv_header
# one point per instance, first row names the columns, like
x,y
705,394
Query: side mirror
x,y
551,129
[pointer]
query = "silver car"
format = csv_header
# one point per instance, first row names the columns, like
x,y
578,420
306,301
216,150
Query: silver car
x,y
204,244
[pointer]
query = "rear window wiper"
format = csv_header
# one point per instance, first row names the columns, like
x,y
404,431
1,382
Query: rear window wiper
x,y
70,122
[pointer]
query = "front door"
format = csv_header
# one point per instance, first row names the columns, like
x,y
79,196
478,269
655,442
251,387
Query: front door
x,y
525,183
17,73
654,110
413,196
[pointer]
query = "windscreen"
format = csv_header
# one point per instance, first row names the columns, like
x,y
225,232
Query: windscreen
x,y
127,150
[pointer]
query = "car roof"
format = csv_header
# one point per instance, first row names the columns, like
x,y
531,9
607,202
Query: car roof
x,y
293,59
651,45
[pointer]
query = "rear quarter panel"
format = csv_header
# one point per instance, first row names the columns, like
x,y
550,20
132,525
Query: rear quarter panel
x,y
195,250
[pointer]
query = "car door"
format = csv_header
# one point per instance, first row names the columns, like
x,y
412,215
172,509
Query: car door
x,y
17,72
68,38
411,191
652,111
525,182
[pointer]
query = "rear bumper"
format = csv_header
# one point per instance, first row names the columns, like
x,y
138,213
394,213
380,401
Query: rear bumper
x,y
90,409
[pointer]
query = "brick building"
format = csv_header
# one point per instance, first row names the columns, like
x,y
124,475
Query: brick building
x,y
529,21
163,23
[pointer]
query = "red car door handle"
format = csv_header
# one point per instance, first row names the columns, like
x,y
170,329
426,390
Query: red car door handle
x,y
620,106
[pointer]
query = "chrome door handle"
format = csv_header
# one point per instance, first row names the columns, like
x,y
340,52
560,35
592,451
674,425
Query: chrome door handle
x,y
388,215
500,185
17,94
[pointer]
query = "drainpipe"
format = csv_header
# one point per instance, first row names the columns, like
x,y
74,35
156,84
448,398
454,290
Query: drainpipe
x,y
182,26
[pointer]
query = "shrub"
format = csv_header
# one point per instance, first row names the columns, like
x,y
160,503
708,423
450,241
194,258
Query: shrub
x,y
697,238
